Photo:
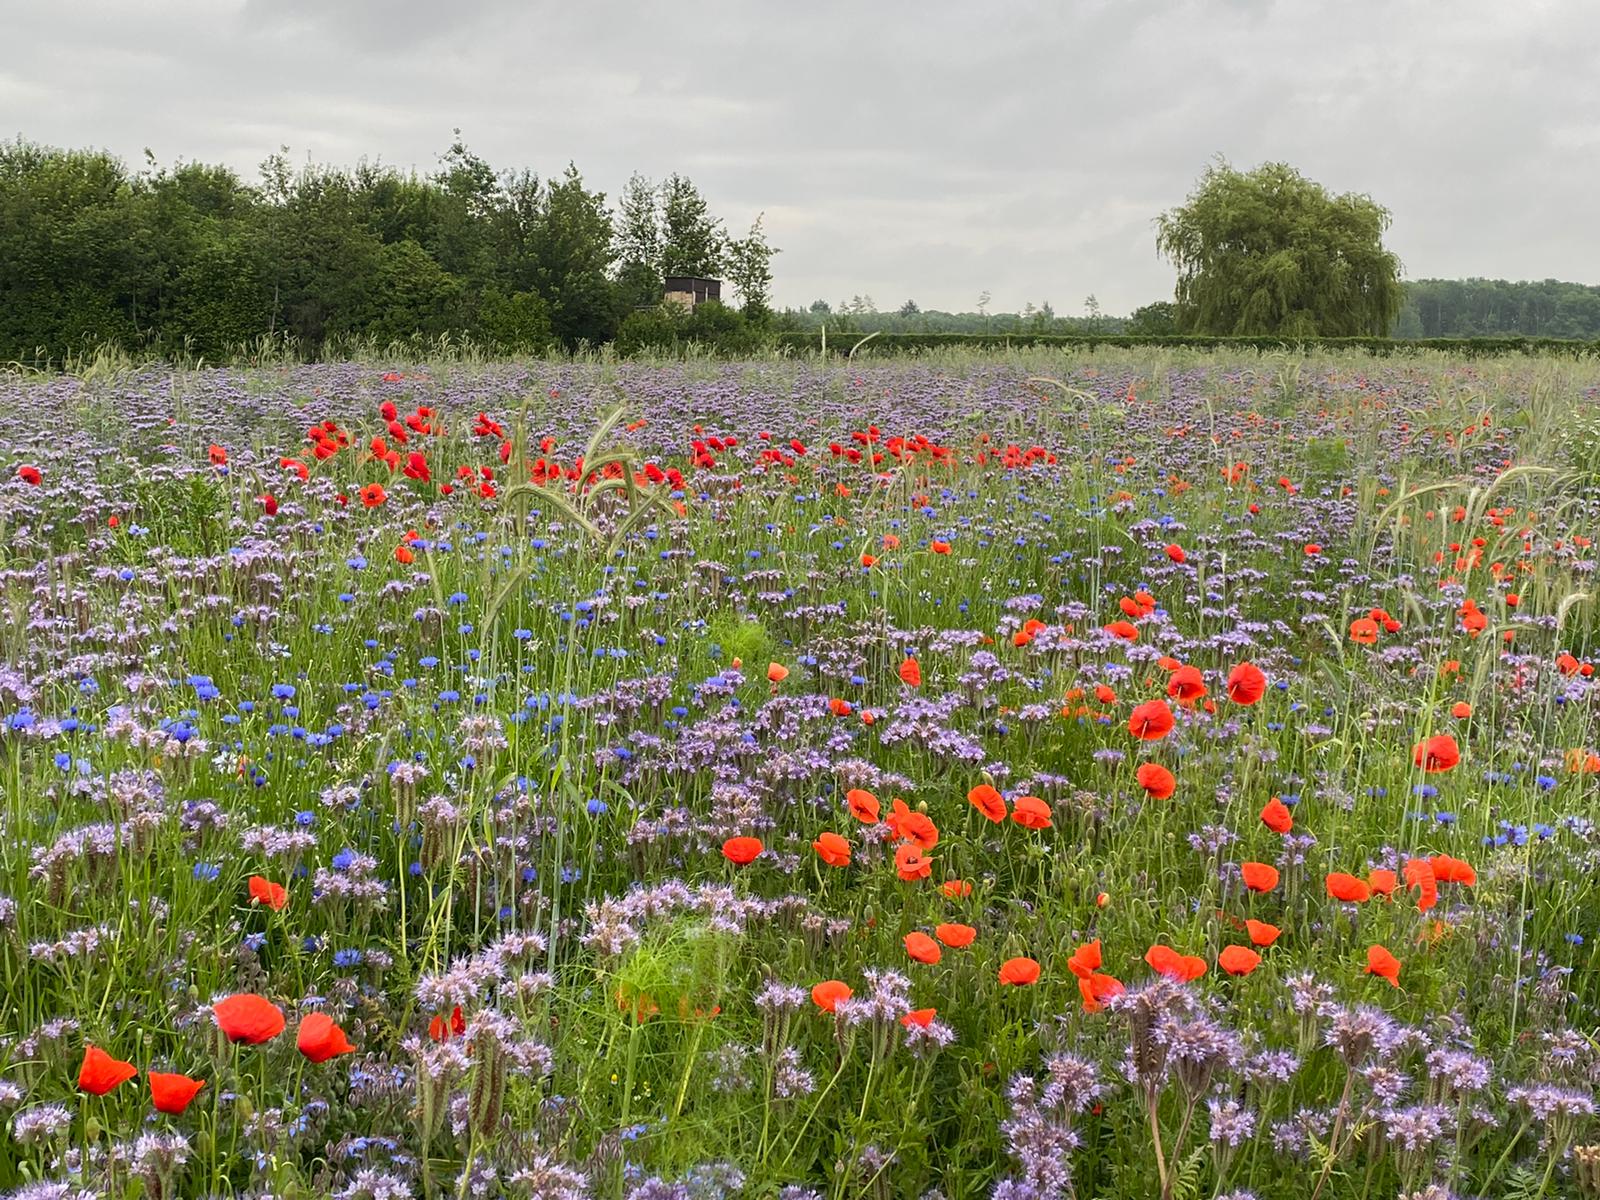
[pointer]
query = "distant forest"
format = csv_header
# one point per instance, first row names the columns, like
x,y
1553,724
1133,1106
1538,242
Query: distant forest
x,y
1491,307
193,260
1450,308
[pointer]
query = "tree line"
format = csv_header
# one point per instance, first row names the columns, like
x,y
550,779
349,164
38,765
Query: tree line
x,y
860,314
1430,308
1498,308
316,260
194,259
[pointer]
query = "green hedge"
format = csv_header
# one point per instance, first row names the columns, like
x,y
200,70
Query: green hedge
x,y
903,343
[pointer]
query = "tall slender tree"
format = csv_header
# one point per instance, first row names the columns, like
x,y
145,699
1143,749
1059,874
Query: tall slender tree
x,y
639,241
693,241
749,266
573,252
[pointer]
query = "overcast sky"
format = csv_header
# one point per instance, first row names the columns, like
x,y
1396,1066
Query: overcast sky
x,y
926,149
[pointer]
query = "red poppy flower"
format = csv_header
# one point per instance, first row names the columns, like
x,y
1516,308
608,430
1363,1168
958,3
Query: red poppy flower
x,y
1164,960
910,864
172,1094
1259,876
777,672
1364,631
1452,870
1031,813
987,800
1276,816
863,805
1156,780
1419,875
441,1030
1151,721
1186,685
923,948
30,475
1247,683
1019,972
911,673
1175,553
906,824
320,1039
100,1072
1382,881
1125,630
956,889
1238,960
372,495
249,1018
742,850
1086,959
1437,754
832,849
1096,989
1347,888
827,994
264,891
939,547
920,1017
217,454
1383,964
957,937
1262,934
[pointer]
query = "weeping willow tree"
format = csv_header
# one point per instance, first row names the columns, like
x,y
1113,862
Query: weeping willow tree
x,y
1271,252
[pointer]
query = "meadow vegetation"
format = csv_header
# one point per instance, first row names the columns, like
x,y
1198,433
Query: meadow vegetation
x,y
1147,773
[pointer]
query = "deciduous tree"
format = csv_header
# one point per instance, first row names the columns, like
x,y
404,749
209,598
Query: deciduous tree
x,y
1270,251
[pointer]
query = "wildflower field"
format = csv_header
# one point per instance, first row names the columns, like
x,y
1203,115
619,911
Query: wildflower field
x,y
1124,776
